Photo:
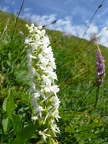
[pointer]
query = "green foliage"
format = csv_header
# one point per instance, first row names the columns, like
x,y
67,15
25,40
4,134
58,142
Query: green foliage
x,y
25,134
81,122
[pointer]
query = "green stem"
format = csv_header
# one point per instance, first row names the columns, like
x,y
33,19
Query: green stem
x,y
97,97
16,21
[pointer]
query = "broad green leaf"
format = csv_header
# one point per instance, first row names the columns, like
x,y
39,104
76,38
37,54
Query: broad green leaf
x,y
10,105
5,124
16,120
25,134
4,104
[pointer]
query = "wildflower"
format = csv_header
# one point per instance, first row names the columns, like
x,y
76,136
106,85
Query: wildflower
x,y
56,101
21,33
34,118
41,65
100,68
55,128
44,135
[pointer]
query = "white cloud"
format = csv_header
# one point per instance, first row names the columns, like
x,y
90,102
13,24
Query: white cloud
x,y
103,12
104,36
27,9
92,29
39,20
66,25
5,9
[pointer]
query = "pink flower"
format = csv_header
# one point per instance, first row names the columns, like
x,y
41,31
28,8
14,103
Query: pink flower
x,y
20,32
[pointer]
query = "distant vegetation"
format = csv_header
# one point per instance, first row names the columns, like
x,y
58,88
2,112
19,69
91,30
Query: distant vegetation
x,y
84,105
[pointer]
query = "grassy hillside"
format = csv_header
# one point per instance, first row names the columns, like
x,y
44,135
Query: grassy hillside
x,y
82,122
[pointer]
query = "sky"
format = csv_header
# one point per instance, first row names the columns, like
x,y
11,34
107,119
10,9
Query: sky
x,y
73,16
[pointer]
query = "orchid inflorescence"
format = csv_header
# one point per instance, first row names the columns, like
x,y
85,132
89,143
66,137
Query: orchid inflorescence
x,y
41,65
100,68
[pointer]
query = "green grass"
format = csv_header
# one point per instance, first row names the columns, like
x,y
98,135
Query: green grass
x,y
81,122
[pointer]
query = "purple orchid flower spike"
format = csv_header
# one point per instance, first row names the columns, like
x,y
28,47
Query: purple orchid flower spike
x,y
100,68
